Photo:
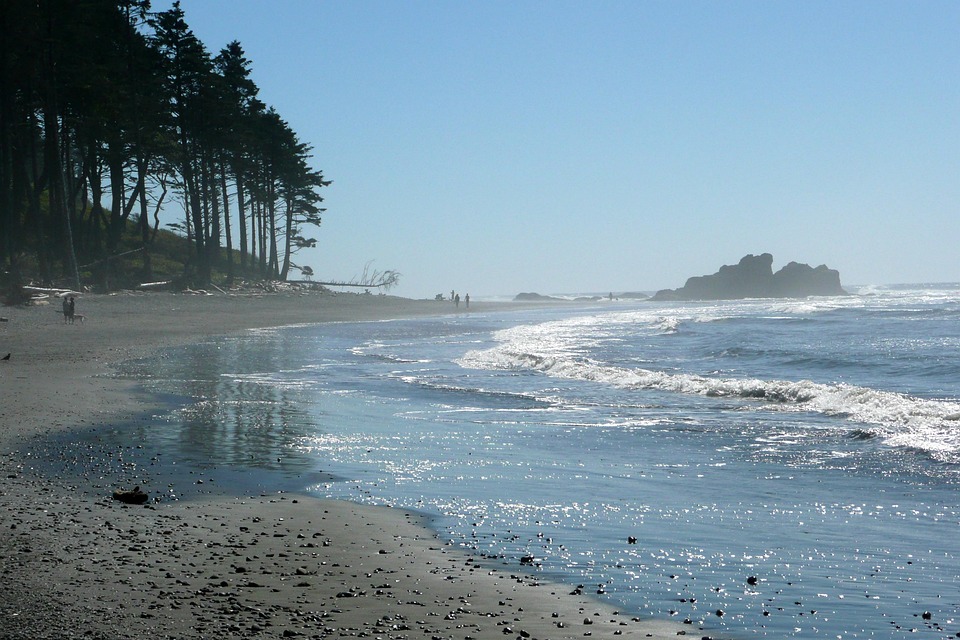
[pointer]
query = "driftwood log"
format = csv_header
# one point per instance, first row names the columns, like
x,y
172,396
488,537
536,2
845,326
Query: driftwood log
x,y
132,496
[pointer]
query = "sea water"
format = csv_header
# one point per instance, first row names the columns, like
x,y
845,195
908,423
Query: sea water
x,y
760,468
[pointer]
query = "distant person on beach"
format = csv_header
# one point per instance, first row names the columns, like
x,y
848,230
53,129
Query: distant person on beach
x,y
456,300
66,309
72,309
452,296
466,299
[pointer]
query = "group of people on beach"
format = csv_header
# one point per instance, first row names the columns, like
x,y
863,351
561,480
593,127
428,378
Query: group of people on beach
x,y
69,309
456,299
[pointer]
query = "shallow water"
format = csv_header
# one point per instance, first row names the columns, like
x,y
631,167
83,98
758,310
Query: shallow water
x,y
794,464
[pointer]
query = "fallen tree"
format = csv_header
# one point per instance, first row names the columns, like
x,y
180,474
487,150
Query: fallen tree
x,y
369,279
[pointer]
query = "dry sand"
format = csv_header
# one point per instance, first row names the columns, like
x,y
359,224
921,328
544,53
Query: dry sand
x,y
74,563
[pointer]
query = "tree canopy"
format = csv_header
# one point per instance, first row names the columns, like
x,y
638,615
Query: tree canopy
x,y
105,102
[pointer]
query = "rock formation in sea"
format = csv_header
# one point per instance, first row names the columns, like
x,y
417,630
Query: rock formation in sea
x,y
753,277
535,297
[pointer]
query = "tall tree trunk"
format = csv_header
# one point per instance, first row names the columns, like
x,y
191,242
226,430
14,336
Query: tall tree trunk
x,y
196,214
256,248
34,214
226,221
203,187
242,223
95,180
57,194
145,236
74,187
115,164
53,166
252,234
287,241
262,231
208,201
187,217
8,224
272,219
213,197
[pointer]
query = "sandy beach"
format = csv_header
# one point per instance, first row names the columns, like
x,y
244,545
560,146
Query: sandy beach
x,y
76,563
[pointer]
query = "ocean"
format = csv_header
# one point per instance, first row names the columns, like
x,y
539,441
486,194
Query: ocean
x,y
760,468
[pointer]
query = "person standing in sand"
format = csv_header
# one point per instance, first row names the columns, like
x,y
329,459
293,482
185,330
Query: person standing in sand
x,y
456,300
66,309
466,300
72,309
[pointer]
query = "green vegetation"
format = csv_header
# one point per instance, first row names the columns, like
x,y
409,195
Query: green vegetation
x,y
169,252
105,101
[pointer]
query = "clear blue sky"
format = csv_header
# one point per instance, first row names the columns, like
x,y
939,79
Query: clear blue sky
x,y
503,146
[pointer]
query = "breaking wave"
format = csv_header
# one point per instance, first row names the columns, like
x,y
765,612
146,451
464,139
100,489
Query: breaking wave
x,y
452,394
562,350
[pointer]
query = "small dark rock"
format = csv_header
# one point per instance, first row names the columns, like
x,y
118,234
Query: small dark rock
x,y
133,496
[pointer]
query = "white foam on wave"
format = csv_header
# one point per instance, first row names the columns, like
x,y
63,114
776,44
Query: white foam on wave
x,y
284,379
522,399
669,325
556,349
379,351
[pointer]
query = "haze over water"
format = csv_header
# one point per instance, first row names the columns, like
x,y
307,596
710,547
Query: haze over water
x,y
793,464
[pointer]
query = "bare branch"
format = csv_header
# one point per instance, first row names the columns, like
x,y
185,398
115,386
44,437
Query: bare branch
x,y
370,279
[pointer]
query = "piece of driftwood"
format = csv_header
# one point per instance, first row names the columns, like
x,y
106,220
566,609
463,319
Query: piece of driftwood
x,y
154,285
46,291
109,258
131,496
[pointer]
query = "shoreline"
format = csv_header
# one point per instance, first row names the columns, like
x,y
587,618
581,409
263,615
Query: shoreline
x,y
79,564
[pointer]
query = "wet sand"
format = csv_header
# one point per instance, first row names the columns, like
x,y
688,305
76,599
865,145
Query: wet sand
x,y
75,563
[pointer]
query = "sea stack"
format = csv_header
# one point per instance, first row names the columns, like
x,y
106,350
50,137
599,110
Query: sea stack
x,y
753,277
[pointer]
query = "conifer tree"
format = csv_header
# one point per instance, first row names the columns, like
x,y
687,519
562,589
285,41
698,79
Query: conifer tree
x,y
104,102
